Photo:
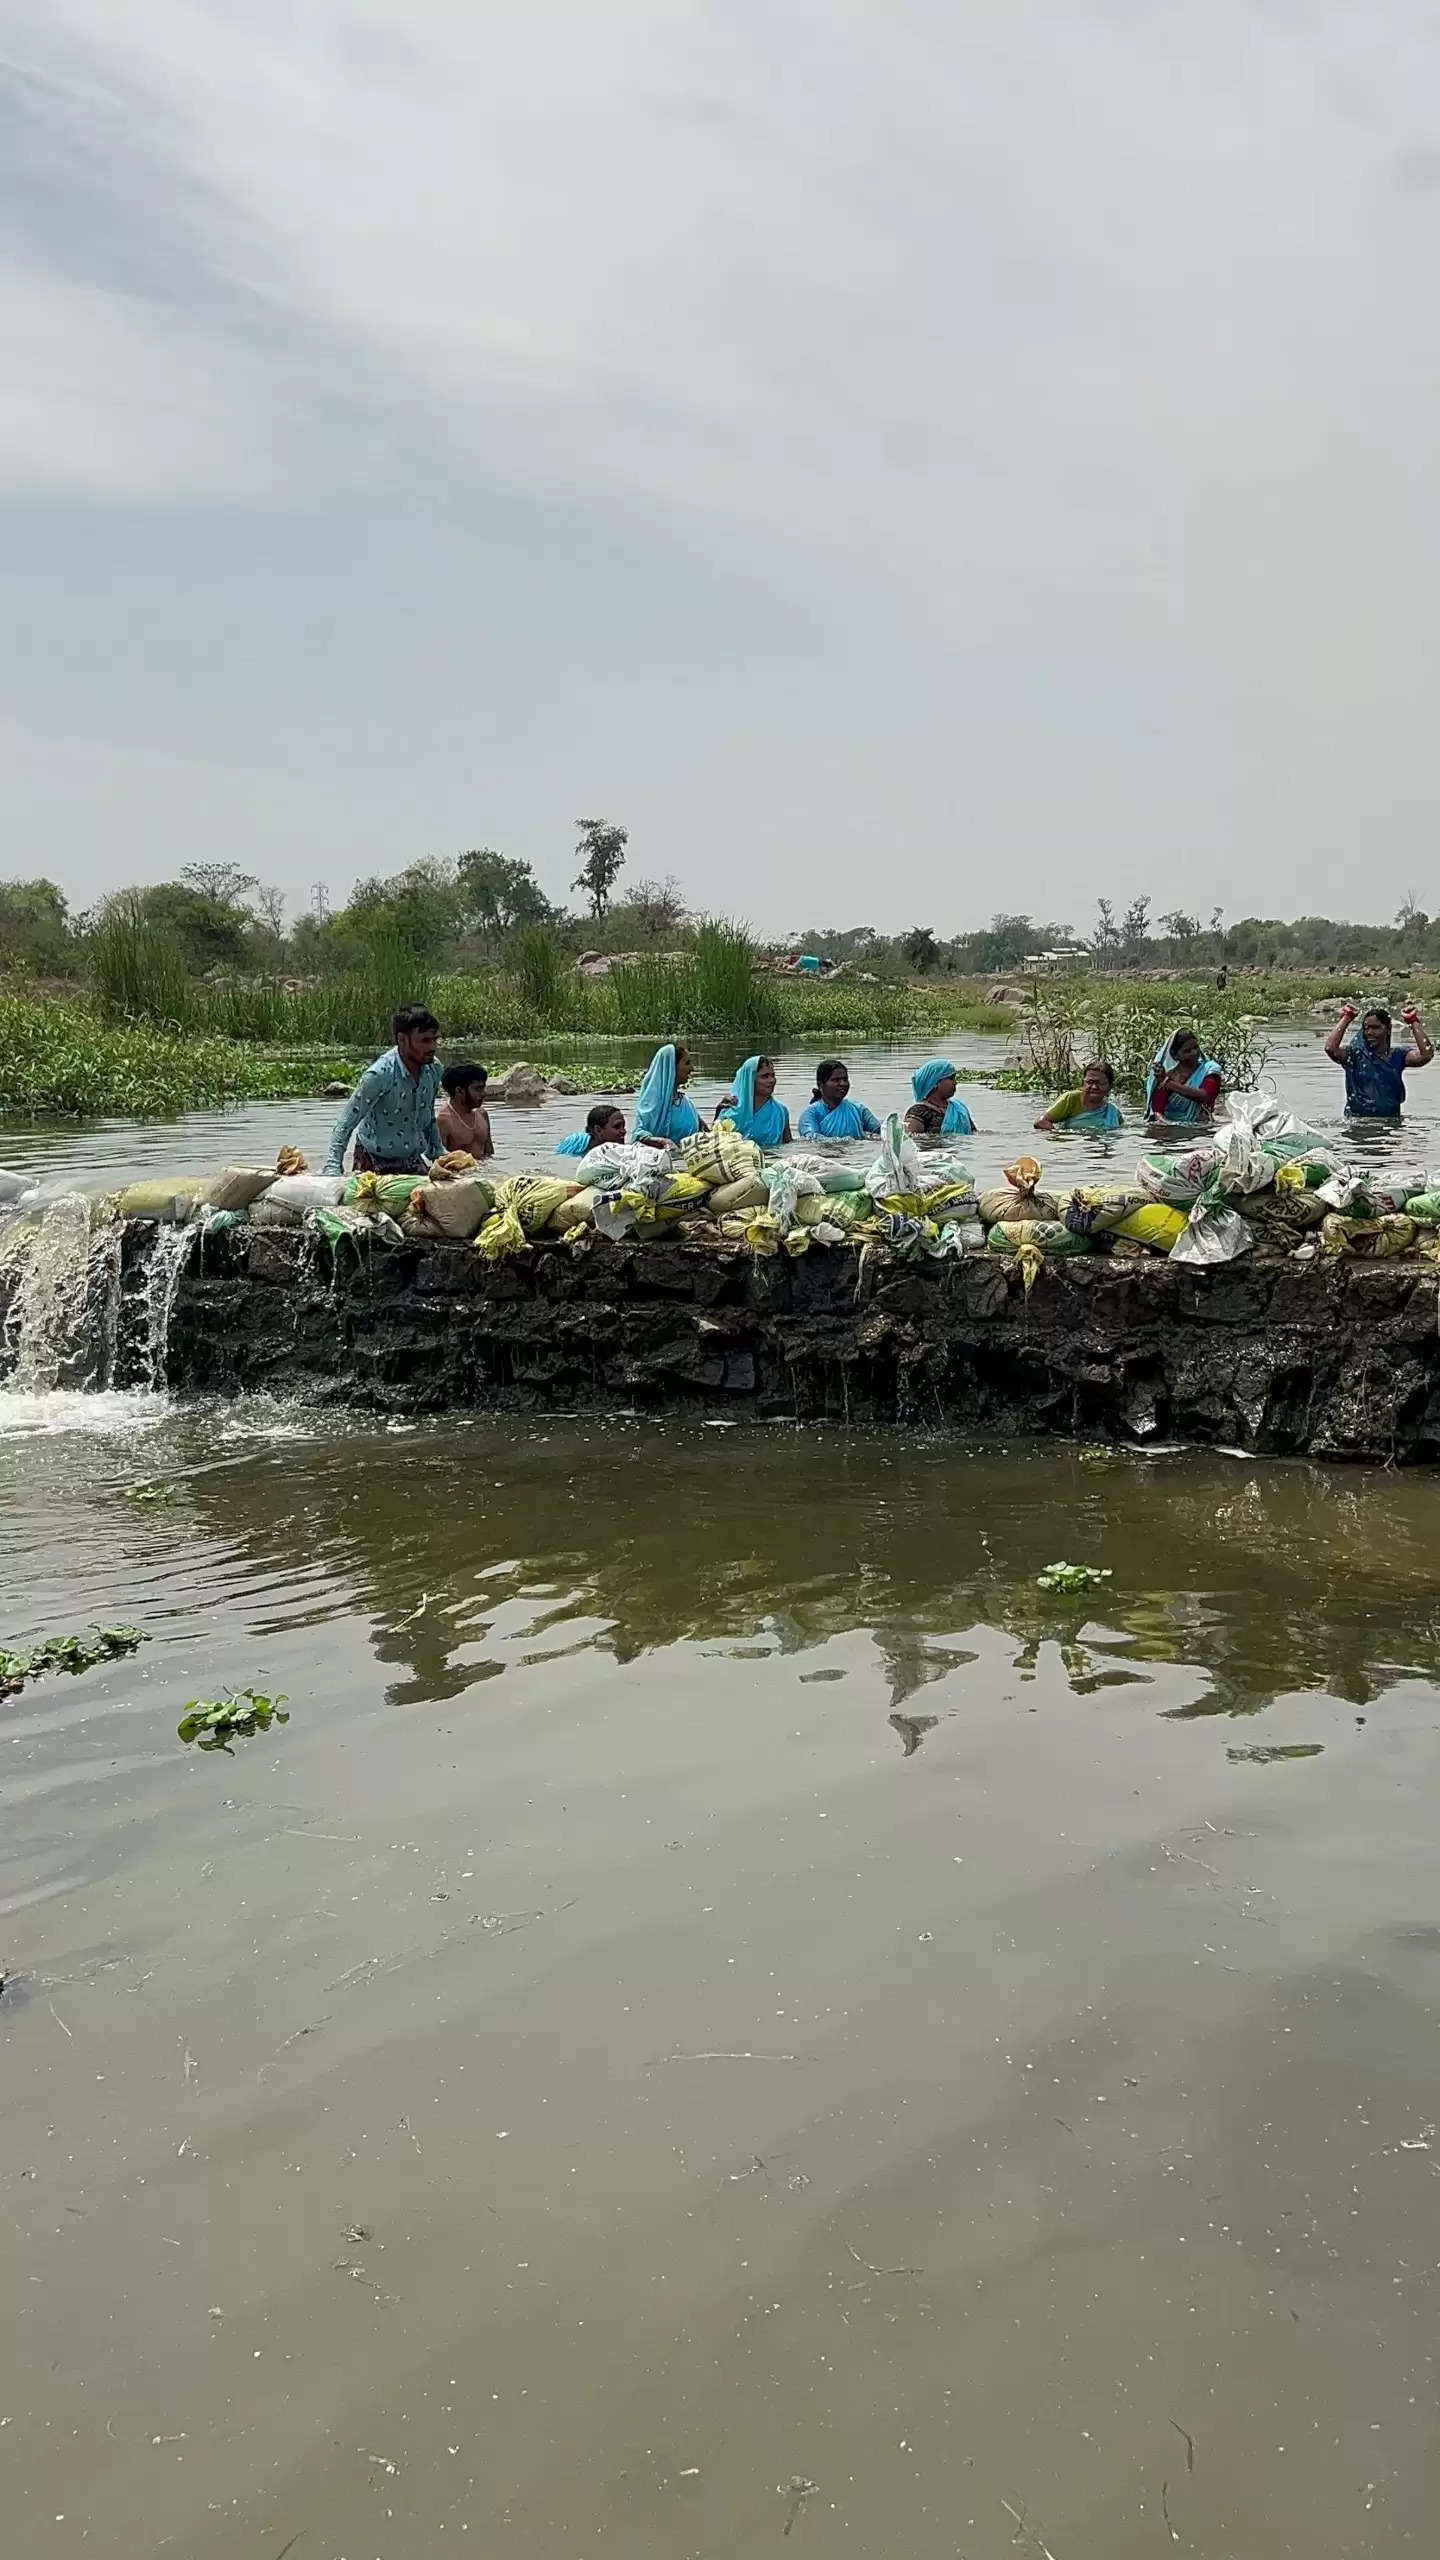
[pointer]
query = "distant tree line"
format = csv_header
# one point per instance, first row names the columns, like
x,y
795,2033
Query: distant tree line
x,y
461,911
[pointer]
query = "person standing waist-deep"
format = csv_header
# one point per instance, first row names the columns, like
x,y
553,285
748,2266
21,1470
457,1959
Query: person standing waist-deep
x,y
391,1113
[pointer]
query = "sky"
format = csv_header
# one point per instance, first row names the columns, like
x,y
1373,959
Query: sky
x,y
901,462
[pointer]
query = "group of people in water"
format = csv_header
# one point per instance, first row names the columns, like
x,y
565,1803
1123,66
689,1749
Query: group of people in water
x,y
407,1109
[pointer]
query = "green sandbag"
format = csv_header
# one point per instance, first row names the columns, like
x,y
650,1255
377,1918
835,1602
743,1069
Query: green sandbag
x,y
1424,1208
1008,1235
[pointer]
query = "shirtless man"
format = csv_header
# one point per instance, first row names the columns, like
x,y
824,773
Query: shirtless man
x,y
460,1115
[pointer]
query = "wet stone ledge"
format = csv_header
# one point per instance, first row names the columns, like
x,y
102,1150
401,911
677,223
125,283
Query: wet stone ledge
x,y
1333,1359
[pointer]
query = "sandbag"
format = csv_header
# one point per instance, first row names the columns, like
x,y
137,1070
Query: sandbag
x,y
1176,1179
458,1208
1031,1242
170,1198
611,1168
1014,1208
361,1226
1424,1207
235,1188
748,1193
716,1157
1213,1234
1374,1239
305,1191
577,1211
1091,1212
1157,1224
388,1191
524,1203
837,1210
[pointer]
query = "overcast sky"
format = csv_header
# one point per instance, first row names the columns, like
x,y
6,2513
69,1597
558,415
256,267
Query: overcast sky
x,y
902,461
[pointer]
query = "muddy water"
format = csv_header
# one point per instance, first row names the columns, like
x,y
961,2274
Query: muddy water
x,y
726,2009
1298,1070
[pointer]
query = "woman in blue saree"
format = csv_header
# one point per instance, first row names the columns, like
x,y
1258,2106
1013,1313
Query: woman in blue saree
x,y
752,1109
832,1111
604,1127
662,1108
937,1110
1182,1084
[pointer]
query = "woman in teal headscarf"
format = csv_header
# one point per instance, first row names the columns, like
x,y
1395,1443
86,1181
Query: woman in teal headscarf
x,y
662,1108
752,1108
937,1110
1182,1084
604,1127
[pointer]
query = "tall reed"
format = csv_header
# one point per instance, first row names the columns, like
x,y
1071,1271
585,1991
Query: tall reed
x,y
136,968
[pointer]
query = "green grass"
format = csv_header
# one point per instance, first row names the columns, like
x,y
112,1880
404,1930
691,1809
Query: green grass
x,y
63,1058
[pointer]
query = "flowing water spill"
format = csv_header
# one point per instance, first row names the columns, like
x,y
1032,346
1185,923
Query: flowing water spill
x,y
729,2019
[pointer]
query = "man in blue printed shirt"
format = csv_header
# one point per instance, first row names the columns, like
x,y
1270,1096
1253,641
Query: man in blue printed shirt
x,y
391,1113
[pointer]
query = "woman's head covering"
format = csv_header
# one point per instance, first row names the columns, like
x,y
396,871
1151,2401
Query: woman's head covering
x,y
1179,1106
577,1144
926,1078
763,1122
656,1095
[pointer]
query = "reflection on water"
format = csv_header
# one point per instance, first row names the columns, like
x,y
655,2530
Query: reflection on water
x,y
723,1983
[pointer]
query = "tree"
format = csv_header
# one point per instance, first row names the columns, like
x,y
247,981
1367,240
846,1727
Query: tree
x,y
657,905
211,931
602,857
419,906
34,928
922,951
225,882
497,892
271,903
1182,930
1134,927
1105,941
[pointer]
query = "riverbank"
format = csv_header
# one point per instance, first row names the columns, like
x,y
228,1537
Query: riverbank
x,y
1333,1359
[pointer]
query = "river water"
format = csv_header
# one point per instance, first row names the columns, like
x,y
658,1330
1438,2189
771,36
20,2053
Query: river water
x,y
729,2019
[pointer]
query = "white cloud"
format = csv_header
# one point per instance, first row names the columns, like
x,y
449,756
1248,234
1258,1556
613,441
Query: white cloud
x,y
1095,344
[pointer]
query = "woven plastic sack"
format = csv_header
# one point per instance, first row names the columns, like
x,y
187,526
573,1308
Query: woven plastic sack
x,y
1424,1208
372,1191
577,1211
362,1226
718,1156
1157,1224
1213,1234
1090,1212
458,1209
170,1199
235,1188
1374,1239
748,1193
1009,1207
303,1192
839,1211
523,1204
1030,1241
618,1168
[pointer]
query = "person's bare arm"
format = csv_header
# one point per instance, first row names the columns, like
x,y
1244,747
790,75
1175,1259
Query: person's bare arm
x,y
1045,1124
1335,1040
1423,1049
486,1145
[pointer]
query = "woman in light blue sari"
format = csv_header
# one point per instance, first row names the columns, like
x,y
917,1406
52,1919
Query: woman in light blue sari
x,y
832,1111
937,1110
1182,1084
662,1108
752,1108
604,1127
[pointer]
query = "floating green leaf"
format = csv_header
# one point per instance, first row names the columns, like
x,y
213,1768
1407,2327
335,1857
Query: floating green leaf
x,y
67,1653
213,1722
1072,1577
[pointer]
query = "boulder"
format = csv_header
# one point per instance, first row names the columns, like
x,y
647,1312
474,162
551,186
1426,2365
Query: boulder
x,y
563,1084
337,1092
520,1083
1007,995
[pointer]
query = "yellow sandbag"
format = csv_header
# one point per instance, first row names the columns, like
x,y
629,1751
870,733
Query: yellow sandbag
x,y
524,1203
748,1193
577,1212
456,1208
834,1209
683,1193
1376,1239
1155,1224
235,1188
170,1198
716,1157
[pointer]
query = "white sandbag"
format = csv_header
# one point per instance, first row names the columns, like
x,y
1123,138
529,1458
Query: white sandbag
x,y
1212,1236
235,1188
305,1191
